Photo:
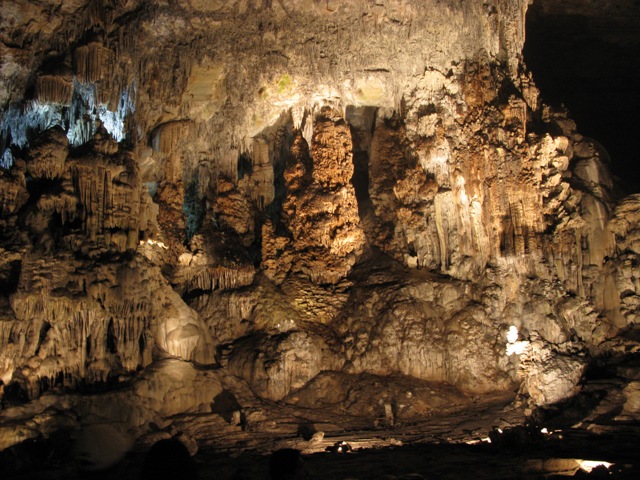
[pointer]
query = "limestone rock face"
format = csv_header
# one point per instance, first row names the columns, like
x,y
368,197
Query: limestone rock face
x,y
234,210
108,320
632,396
303,194
624,225
274,366
394,326
81,313
109,198
46,157
170,216
390,400
551,376
320,209
14,191
438,184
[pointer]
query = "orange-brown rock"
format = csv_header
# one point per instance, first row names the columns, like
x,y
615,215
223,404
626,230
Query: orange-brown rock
x,y
47,155
13,191
320,209
171,219
277,254
399,189
233,210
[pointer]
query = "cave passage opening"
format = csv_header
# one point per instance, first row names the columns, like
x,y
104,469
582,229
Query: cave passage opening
x,y
585,57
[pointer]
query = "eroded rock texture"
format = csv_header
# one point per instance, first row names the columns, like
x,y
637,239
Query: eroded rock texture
x,y
304,195
320,211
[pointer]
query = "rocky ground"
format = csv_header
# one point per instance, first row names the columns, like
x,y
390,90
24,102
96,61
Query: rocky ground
x,y
521,456
487,436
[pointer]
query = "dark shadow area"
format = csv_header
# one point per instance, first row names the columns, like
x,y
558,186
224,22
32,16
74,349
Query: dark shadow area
x,y
361,122
10,276
225,404
516,455
586,55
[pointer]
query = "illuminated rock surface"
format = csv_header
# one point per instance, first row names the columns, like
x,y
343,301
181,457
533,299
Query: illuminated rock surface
x,y
244,222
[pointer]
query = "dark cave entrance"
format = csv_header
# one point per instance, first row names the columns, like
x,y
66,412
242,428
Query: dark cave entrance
x,y
361,121
586,57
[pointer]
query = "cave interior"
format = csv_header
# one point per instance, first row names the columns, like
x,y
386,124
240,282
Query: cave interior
x,y
401,237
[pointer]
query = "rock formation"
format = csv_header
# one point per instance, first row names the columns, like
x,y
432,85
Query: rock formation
x,y
273,199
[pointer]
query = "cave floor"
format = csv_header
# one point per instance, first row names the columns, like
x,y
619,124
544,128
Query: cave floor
x,y
549,458
446,446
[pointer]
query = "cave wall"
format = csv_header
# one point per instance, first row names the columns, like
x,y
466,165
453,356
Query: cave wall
x,y
288,188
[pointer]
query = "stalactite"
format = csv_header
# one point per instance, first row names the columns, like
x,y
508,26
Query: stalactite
x,y
262,185
86,334
451,171
208,279
109,193
100,14
65,205
54,88
92,62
